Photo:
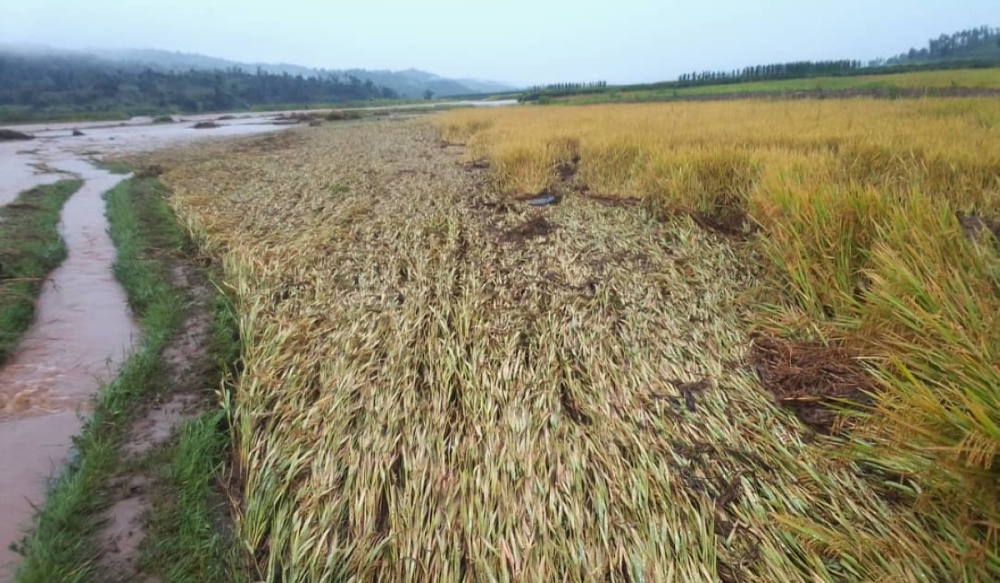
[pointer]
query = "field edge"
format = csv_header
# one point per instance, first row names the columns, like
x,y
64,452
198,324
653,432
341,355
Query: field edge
x,y
181,530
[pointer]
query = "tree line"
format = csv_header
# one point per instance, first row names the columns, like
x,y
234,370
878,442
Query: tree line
x,y
39,84
568,88
983,41
796,70
971,48
774,71
559,89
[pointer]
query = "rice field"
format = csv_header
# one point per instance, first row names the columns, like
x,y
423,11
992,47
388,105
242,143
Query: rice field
x,y
442,383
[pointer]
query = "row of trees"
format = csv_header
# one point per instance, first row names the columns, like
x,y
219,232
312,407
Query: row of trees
x,y
544,92
80,84
796,70
567,88
983,41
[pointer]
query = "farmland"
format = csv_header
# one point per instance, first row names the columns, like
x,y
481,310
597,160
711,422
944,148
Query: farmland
x,y
440,382
954,81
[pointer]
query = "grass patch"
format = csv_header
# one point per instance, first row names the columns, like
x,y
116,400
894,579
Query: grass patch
x,y
112,166
184,540
15,114
62,545
30,247
188,538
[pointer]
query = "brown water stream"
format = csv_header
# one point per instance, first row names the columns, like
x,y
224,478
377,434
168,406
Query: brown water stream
x,y
81,334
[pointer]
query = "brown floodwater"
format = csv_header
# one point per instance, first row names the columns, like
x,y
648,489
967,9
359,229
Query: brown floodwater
x,y
83,329
37,447
17,173
82,319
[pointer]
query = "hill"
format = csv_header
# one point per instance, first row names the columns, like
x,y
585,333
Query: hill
x,y
411,83
37,86
981,43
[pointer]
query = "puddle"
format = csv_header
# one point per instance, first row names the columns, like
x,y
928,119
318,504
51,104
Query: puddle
x,y
159,424
83,328
123,532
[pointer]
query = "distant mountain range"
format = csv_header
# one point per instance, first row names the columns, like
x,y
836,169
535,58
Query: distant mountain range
x,y
407,83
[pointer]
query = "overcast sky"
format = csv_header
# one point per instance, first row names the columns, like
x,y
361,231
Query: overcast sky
x,y
518,41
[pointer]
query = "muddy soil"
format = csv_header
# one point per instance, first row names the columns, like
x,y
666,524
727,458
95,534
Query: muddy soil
x,y
11,135
188,360
534,228
813,380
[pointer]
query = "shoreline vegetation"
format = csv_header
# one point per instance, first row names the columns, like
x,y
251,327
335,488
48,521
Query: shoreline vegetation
x,y
957,83
953,82
953,57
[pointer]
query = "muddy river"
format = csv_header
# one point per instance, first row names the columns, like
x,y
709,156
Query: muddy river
x,y
83,328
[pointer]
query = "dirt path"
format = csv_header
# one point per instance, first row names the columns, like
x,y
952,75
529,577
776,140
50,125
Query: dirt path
x,y
186,358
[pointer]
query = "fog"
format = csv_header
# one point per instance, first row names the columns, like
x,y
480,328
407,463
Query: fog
x,y
517,41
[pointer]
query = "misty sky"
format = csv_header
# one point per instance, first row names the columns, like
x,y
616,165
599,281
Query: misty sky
x,y
518,41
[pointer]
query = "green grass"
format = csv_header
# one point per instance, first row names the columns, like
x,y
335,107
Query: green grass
x,y
186,541
30,247
181,546
113,167
186,544
931,80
